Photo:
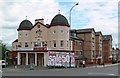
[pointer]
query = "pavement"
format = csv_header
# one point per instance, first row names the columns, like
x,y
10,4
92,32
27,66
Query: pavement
x,y
21,68
106,65
26,68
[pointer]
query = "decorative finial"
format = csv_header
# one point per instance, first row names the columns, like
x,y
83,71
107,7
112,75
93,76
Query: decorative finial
x,y
26,17
59,11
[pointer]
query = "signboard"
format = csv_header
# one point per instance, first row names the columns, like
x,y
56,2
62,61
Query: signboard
x,y
40,48
31,49
61,59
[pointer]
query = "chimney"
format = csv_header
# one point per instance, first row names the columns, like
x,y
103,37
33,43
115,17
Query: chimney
x,y
39,20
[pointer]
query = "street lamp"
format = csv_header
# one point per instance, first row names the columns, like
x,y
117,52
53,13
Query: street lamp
x,y
70,13
70,25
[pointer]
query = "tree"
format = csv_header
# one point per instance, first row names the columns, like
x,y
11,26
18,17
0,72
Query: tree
x,y
3,49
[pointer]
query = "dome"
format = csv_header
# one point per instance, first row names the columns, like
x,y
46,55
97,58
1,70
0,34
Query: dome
x,y
59,20
25,24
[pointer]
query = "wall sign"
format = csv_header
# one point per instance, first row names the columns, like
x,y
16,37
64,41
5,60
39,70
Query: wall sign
x,y
61,59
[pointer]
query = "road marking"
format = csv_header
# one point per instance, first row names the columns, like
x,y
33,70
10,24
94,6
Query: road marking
x,y
111,74
101,74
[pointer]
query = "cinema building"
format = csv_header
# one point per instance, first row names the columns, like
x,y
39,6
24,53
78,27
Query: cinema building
x,y
45,45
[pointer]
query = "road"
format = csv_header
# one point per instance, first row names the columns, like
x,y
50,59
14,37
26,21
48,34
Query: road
x,y
88,71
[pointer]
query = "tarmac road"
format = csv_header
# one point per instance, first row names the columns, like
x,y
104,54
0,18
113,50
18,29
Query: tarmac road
x,y
110,70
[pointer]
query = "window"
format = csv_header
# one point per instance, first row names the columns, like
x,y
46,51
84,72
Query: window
x,y
20,44
93,44
26,44
38,32
26,34
54,43
61,31
19,35
35,44
38,26
80,43
67,31
39,42
45,43
61,43
93,54
67,44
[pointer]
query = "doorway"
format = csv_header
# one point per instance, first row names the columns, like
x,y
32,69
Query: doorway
x,y
31,58
23,59
40,59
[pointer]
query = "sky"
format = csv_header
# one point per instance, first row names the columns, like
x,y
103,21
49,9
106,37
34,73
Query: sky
x,y
102,15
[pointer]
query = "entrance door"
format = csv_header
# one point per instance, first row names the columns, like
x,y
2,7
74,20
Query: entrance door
x,y
23,58
31,58
40,59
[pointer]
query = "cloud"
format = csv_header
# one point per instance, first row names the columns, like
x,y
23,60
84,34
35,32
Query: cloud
x,y
101,15
13,12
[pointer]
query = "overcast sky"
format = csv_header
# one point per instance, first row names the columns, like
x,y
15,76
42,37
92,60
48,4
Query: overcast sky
x,y
99,14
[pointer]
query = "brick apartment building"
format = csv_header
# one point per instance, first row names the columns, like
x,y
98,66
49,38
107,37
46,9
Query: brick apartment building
x,y
78,45
107,48
98,47
88,35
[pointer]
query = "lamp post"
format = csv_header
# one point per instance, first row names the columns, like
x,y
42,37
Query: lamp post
x,y
70,13
70,25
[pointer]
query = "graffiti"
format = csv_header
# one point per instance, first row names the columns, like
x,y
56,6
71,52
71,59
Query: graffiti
x,y
60,59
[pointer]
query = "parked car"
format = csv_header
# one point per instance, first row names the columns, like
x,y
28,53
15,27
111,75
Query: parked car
x,y
3,63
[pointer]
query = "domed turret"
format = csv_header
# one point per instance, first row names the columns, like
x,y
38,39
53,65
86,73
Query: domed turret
x,y
25,25
59,20
59,26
